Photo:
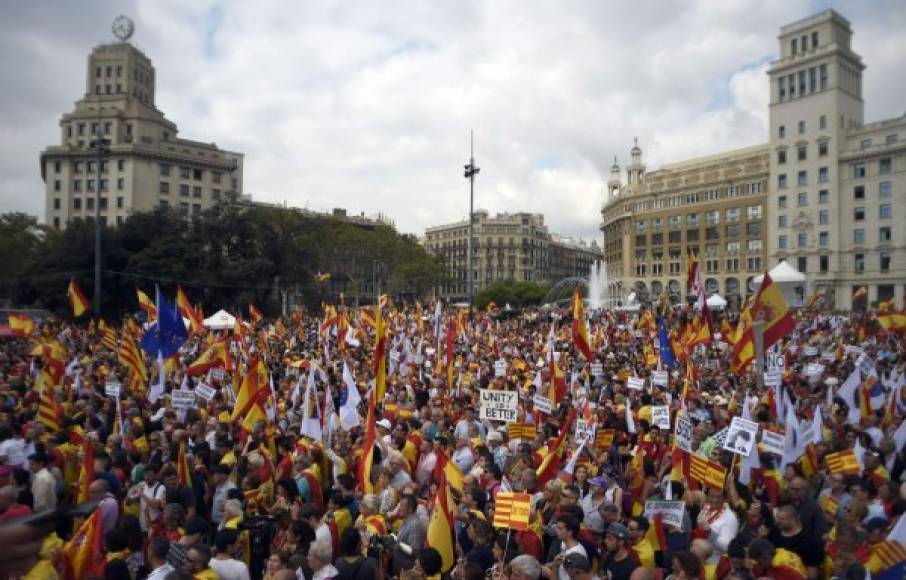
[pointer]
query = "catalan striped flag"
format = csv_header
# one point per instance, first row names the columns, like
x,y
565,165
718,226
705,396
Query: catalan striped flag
x,y
48,412
512,510
708,472
888,560
829,505
108,336
521,431
366,461
843,462
86,474
183,471
130,356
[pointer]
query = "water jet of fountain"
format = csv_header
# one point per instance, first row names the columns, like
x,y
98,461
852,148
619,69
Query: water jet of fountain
x,y
598,291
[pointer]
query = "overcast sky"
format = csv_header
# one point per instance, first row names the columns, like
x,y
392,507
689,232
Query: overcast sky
x,y
368,105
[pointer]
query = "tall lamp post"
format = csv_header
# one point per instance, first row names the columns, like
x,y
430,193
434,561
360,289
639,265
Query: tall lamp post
x,y
470,173
102,150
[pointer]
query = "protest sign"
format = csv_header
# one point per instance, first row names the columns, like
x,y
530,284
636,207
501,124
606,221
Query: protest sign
x,y
542,404
112,389
585,431
775,360
636,383
219,374
814,370
500,368
741,436
810,351
182,399
660,378
204,391
773,377
498,405
597,370
829,356
671,512
683,433
660,416
772,442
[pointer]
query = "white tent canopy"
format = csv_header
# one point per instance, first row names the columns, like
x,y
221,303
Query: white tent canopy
x,y
220,321
716,302
783,273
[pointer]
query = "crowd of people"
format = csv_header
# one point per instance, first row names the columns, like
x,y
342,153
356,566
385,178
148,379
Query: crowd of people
x,y
287,482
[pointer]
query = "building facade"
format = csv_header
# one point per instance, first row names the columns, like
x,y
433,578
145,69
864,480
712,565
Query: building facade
x,y
712,207
513,247
825,193
148,164
837,192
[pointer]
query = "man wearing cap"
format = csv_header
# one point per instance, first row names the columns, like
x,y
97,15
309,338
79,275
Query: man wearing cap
x,y
620,561
578,567
383,430
590,504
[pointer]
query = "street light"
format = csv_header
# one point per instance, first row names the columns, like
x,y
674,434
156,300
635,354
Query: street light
x,y
102,149
470,173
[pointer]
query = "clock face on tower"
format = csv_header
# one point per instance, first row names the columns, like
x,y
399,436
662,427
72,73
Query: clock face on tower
x,y
123,27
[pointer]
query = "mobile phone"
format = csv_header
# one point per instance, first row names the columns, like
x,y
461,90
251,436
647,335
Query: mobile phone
x,y
83,510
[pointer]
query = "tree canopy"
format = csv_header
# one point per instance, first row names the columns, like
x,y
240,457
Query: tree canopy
x,y
516,294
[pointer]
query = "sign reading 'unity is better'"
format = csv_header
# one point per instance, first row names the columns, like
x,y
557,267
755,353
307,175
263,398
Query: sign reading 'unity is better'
x,y
499,405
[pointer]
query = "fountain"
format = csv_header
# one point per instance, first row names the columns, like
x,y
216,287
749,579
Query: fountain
x,y
598,286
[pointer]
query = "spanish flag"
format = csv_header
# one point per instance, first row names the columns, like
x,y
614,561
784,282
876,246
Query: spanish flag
x,y
183,471
196,320
366,461
255,314
84,556
380,354
656,535
325,277
580,330
860,293
252,396
770,307
146,304
892,321
77,299
21,324
86,474
448,470
216,356
550,464
440,526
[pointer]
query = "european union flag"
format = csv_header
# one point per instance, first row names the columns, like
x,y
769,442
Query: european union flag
x,y
167,333
667,356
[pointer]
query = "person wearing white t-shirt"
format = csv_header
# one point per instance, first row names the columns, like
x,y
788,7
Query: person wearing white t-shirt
x,y
153,496
223,563
567,530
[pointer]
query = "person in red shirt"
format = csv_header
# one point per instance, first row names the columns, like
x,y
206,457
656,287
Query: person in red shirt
x,y
10,509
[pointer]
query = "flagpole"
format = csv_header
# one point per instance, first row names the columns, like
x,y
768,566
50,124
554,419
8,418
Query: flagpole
x,y
758,366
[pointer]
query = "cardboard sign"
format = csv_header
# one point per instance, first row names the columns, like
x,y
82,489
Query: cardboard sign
x,y
219,374
542,404
498,405
636,383
204,391
741,436
814,369
671,512
772,442
682,434
775,361
597,370
112,389
585,431
182,399
660,378
660,416
500,368
773,377
829,356
810,351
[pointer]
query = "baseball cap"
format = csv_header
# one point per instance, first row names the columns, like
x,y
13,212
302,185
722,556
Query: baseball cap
x,y
599,481
619,530
576,561
385,423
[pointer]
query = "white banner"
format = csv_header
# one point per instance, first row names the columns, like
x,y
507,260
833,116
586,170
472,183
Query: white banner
x,y
772,442
500,368
671,512
542,404
636,383
683,433
774,360
773,377
113,389
182,399
585,431
660,378
498,405
741,436
597,370
204,391
660,416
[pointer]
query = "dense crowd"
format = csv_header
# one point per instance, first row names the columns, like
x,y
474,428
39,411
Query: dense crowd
x,y
276,472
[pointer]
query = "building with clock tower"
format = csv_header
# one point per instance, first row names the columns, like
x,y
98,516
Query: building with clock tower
x,y
145,163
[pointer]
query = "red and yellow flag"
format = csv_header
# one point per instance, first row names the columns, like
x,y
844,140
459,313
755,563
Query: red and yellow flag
x,y
48,412
843,462
84,556
892,321
252,396
86,473
512,510
183,471
196,320
255,314
580,330
21,324
440,526
146,304
380,354
860,293
131,357
521,431
366,461
708,472
770,307
550,464
77,300
216,356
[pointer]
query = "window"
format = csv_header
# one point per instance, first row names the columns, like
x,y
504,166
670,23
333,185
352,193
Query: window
x,y
89,167
119,218
781,181
885,261
753,229
801,153
802,264
824,263
793,44
215,194
196,191
77,203
858,213
859,236
732,248
77,185
815,39
164,169
732,264
884,234
691,235
89,203
675,221
120,202
102,203
57,166
712,217
865,144
885,189
56,203
812,80
81,129
822,76
781,202
753,212
164,188
640,226
823,217
675,237
782,88
781,242
77,167
98,71
732,214
781,131
823,238
733,231
102,185
754,247
823,175
197,173
802,87
823,196
56,185
184,190
859,192
184,208
822,149
164,203
185,172
781,222
712,234
884,166
656,224
859,262
215,176
692,219
802,199
858,170
891,139
801,93
781,157
822,122
801,239
196,208
885,211
120,183
657,239
120,164
802,178
89,185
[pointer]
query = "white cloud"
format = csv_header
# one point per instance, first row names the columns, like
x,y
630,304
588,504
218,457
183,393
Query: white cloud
x,y
368,105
